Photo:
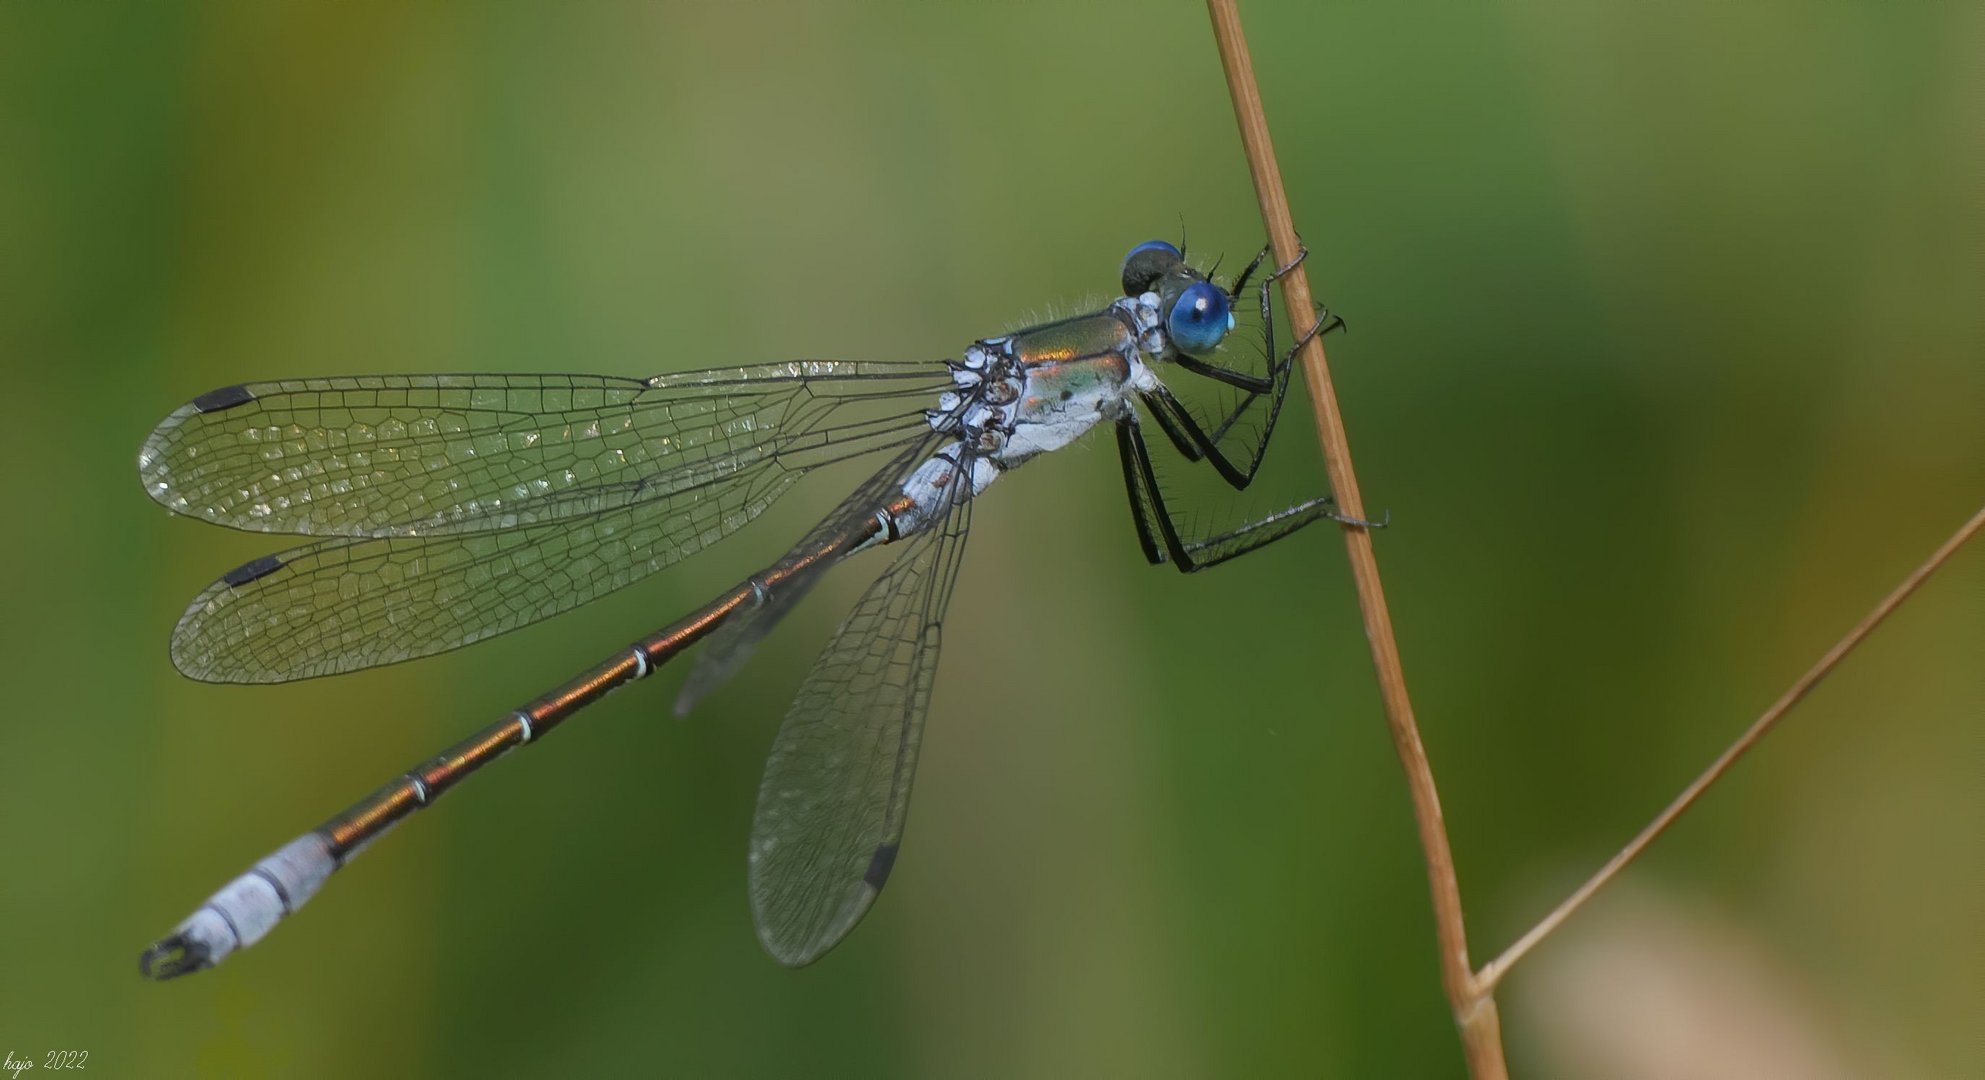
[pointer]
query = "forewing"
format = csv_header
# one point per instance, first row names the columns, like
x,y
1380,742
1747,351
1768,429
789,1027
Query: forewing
x,y
343,604
836,790
390,455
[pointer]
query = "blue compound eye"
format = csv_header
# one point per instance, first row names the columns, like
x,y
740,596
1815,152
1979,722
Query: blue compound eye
x,y
1146,263
1200,318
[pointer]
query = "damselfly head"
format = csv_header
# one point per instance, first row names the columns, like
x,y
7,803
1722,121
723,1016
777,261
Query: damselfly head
x,y
1198,313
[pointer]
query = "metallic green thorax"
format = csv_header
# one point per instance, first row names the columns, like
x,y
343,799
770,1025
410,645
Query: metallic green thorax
x,y
1079,338
1041,388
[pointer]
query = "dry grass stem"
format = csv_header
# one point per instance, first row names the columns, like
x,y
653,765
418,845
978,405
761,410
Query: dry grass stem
x,y
1470,994
1493,972
1474,1012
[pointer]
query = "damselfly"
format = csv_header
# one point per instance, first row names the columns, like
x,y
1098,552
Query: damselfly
x,y
450,508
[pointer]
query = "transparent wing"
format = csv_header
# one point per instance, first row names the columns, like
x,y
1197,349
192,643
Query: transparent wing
x,y
396,454
837,783
344,604
731,644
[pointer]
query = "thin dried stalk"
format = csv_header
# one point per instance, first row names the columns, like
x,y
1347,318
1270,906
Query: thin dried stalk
x,y
1494,970
1474,1012
1470,994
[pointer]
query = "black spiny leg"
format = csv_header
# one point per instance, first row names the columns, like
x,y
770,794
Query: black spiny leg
x,y
1186,433
1254,384
1130,446
1155,525
1179,426
1196,442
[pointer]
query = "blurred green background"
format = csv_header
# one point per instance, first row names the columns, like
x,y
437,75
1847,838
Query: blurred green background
x,y
1667,357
